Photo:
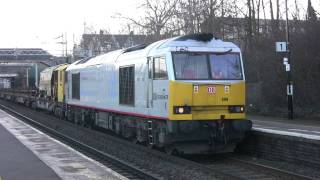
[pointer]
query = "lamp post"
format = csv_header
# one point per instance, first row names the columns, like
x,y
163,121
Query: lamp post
x,y
288,70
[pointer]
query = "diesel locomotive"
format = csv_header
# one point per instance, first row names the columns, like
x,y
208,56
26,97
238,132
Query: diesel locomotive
x,y
184,94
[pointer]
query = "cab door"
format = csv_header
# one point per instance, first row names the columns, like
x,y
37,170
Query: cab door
x,y
150,83
157,86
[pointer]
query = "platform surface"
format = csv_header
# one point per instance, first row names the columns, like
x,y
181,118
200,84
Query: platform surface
x,y
18,162
305,128
28,154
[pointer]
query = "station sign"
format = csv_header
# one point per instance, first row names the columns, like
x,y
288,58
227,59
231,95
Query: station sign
x,y
285,61
281,47
287,67
290,90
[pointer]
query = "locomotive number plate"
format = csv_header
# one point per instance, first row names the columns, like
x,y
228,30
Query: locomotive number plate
x,y
211,89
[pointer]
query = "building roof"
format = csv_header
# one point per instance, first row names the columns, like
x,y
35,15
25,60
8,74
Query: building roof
x,y
24,54
8,75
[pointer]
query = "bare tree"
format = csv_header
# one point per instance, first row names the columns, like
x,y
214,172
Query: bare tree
x,y
271,10
297,13
217,16
192,15
258,14
264,10
249,20
158,16
278,10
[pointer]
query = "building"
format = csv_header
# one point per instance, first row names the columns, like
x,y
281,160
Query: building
x,y
95,44
21,67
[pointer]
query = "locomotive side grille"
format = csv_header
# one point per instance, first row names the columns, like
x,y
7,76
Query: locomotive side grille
x,y
76,86
126,85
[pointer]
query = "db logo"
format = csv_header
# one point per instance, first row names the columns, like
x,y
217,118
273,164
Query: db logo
x,y
211,89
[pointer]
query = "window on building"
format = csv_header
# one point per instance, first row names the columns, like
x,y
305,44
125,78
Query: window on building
x,y
160,68
126,85
75,86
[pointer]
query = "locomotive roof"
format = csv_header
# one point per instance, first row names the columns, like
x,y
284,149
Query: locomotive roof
x,y
51,69
202,42
61,67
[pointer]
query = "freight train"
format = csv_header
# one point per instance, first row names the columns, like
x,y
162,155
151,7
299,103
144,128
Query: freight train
x,y
184,94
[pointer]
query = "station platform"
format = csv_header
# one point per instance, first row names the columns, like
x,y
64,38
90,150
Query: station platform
x,y
26,153
305,128
18,162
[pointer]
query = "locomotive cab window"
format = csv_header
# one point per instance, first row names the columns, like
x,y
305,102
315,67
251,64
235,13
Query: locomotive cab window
x,y
191,66
126,85
160,68
225,67
207,66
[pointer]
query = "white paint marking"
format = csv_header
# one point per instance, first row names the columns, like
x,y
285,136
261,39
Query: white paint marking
x,y
303,130
306,136
279,122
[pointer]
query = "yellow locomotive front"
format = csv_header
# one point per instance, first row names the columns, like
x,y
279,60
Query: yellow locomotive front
x,y
207,86
206,101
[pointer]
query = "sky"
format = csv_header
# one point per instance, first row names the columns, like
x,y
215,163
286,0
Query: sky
x,y
37,23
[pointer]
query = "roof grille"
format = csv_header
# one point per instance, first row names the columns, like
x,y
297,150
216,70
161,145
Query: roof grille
x,y
205,37
135,48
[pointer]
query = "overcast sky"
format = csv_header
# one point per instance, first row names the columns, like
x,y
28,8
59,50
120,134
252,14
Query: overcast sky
x,y
36,23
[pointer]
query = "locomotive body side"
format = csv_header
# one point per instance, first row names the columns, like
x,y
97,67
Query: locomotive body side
x,y
99,85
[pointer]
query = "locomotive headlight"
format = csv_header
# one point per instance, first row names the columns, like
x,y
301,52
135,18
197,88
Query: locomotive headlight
x,y
241,109
181,109
236,109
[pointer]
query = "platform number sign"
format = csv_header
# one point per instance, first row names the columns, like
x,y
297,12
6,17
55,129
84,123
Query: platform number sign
x,y
281,46
211,89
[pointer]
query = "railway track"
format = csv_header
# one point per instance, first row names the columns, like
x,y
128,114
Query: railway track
x,y
123,168
209,167
246,169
